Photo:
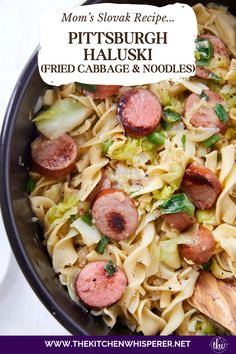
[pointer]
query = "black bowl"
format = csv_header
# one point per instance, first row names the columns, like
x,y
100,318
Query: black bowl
x,y
26,237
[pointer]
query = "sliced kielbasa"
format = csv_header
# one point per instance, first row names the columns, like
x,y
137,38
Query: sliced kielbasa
x,y
104,183
201,249
204,115
96,288
54,158
219,50
180,221
115,214
103,91
139,111
219,46
201,186
202,72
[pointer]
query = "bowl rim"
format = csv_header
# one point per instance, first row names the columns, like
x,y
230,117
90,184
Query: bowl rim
x,y
6,204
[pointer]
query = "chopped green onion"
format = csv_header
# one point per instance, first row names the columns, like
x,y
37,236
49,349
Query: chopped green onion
x,y
30,185
204,51
183,141
207,266
214,77
177,203
221,112
110,268
204,95
87,219
211,141
170,116
102,245
72,218
105,146
166,126
157,138
87,87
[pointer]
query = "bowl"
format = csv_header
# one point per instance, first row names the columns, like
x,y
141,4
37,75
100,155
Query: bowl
x,y
26,237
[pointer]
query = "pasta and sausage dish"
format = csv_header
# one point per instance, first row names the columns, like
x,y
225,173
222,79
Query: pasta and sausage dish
x,y
135,188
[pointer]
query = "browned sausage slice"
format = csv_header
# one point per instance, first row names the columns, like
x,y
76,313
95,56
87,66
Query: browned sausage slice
x,y
219,46
202,248
115,214
180,221
202,72
98,290
103,91
204,116
104,183
219,50
139,111
54,158
201,186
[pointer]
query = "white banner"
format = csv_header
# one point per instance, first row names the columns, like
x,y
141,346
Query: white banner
x,y
119,44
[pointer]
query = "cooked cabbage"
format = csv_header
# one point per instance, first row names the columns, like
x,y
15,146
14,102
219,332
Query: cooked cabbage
x,y
163,194
169,253
206,217
199,325
174,162
131,148
63,210
63,116
90,234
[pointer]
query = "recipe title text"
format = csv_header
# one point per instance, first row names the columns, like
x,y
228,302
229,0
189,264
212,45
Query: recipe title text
x,y
104,42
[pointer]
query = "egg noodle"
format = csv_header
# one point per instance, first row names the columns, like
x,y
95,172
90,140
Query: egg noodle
x,y
159,280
